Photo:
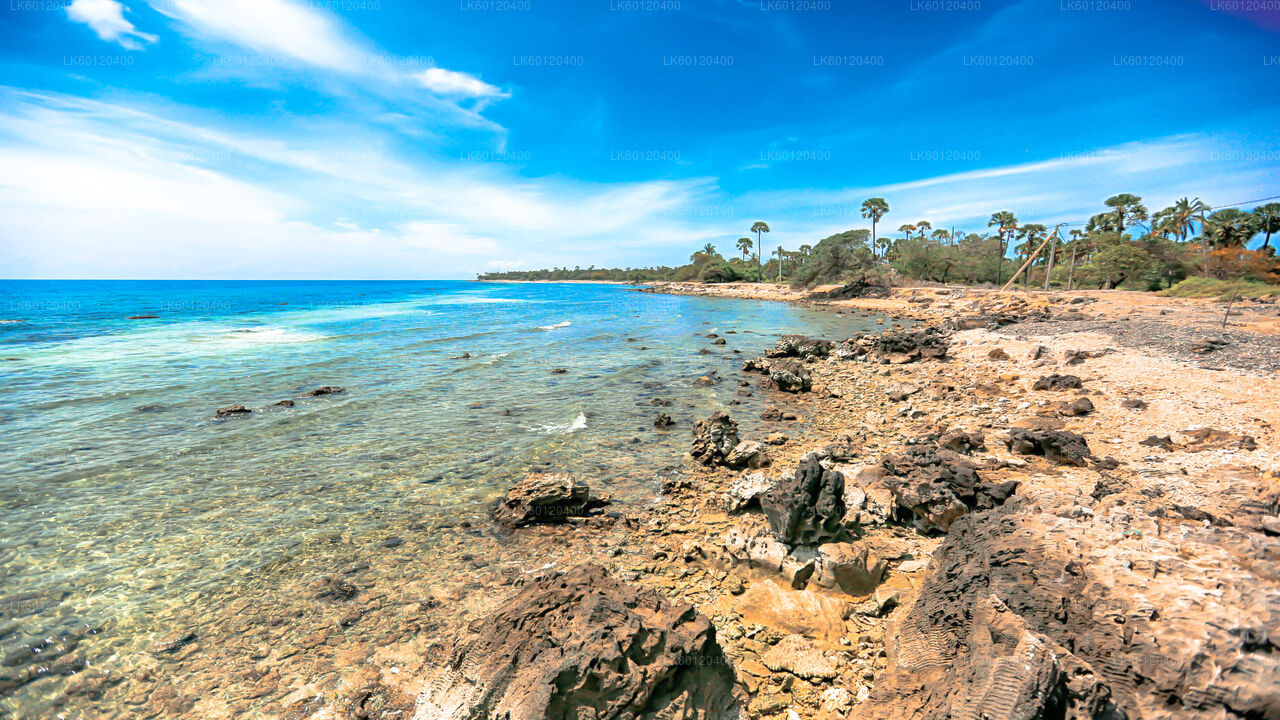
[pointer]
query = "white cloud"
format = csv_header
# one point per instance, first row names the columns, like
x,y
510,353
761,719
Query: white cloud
x,y
293,31
272,27
106,17
456,84
100,190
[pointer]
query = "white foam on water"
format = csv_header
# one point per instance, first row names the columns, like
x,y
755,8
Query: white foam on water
x,y
566,323
268,335
495,358
579,423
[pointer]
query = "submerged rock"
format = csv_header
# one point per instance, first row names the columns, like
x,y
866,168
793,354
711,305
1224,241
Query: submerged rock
x,y
583,645
232,411
545,498
663,421
324,390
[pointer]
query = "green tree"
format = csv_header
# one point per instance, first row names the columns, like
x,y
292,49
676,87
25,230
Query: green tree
x,y
744,246
874,208
709,250
1005,224
1229,228
759,228
1267,220
1126,208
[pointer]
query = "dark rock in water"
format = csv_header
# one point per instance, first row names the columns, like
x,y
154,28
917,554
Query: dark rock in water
x,y
935,486
711,378
336,589
801,347
285,403
1057,382
463,356
756,365
172,642
714,439
583,645
559,371
232,411
807,507
790,376
546,498
660,402
718,341
149,409
1133,404
663,421
142,317
324,390
1059,446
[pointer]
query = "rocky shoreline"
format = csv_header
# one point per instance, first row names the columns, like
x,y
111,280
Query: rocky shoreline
x,y
941,525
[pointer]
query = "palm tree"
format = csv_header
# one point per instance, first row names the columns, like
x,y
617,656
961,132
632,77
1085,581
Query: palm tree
x,y
922,226
709,250
1126,207
1231,227
759,227
1032,233
1267,220
940,236
906,230
1006,224
781,254
744,245
805,250
874,208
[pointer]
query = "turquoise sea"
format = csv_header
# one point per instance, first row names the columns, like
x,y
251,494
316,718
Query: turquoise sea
x,y
122,496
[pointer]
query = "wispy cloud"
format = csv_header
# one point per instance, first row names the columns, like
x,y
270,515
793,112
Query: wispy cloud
x,y
106,17
101,190
456,84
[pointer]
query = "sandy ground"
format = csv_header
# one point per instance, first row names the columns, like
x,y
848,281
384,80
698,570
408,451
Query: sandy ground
x,y
369,648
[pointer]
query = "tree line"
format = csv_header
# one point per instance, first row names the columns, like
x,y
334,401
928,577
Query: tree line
x,y
1122,246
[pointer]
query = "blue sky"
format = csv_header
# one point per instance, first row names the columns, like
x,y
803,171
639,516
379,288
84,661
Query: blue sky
x,y
396,139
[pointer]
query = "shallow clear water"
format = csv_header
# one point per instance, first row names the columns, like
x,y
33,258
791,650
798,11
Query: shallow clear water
x,y
120,493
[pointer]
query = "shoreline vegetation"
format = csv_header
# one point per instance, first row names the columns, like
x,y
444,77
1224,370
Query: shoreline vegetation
x,y
1186,249
1021,498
